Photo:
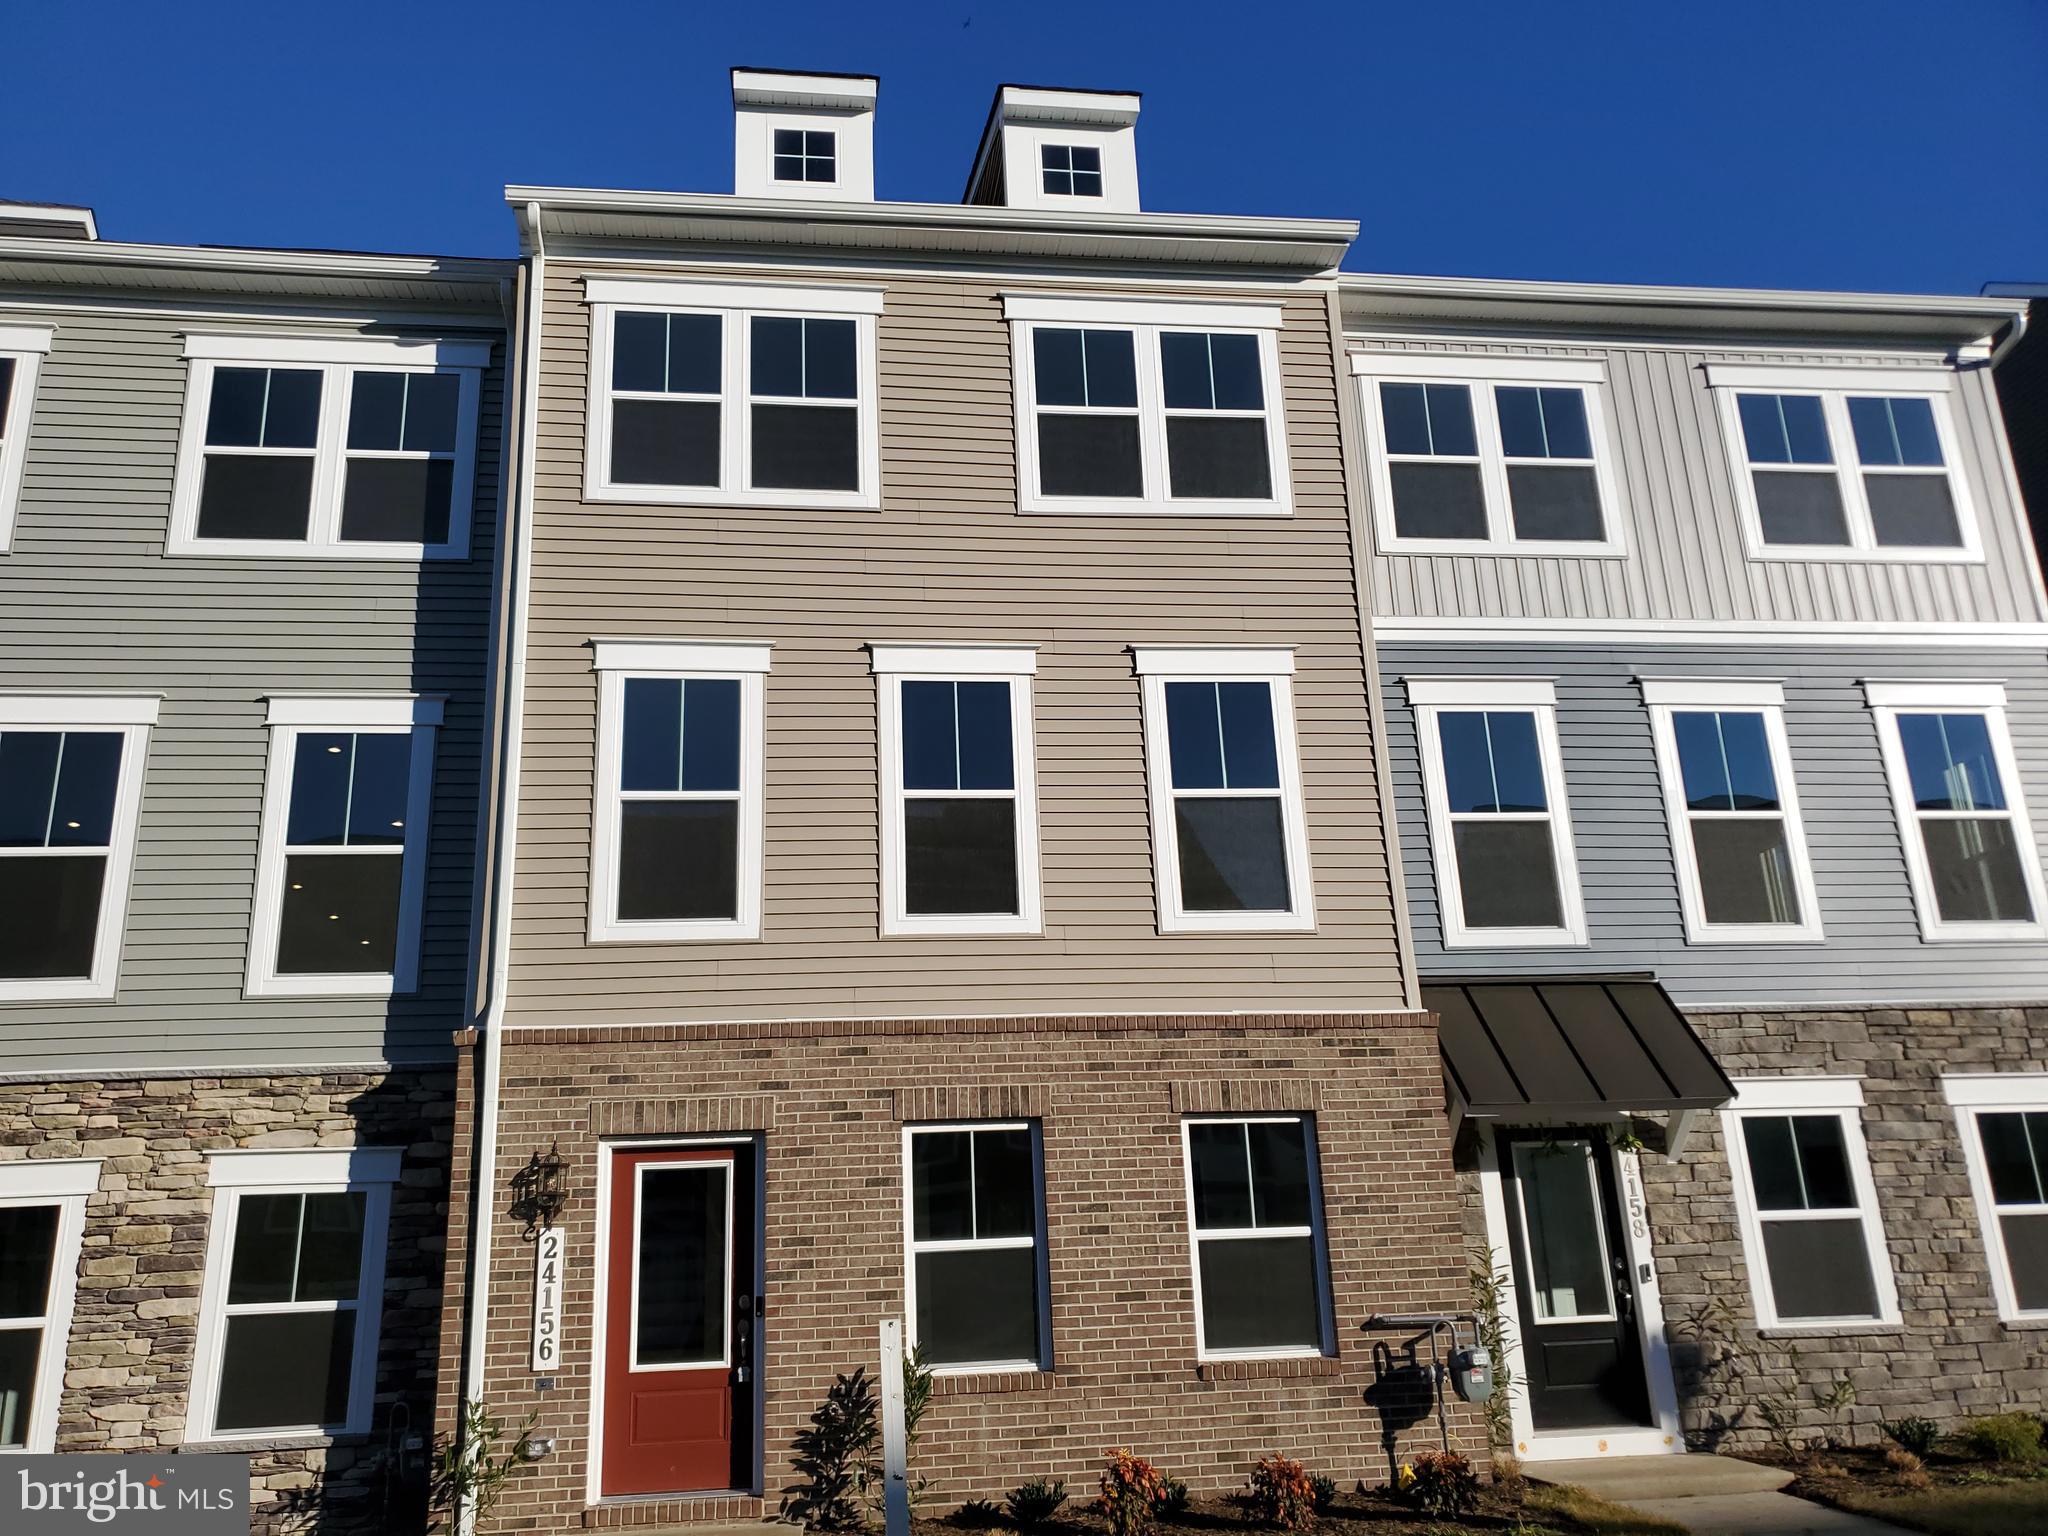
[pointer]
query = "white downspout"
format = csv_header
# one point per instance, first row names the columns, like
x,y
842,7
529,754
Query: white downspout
x,y
484,1162
2014,332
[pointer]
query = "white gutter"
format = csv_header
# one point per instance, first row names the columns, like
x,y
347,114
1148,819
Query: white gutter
x,y
2012,338
481,271
484,1161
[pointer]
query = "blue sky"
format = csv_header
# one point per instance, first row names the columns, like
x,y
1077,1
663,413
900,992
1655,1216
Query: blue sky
x,y
1797,143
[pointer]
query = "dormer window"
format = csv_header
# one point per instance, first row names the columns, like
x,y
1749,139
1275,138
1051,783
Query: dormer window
x,y
806,154
1071,170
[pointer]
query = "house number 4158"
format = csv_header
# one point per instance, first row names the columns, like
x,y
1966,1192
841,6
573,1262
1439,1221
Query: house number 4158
x,y
547,1299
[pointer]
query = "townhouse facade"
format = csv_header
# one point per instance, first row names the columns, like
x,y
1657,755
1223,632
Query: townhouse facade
x,y
1711,638
248,511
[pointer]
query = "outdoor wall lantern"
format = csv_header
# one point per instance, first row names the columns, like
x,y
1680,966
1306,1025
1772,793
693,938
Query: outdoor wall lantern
x,y
538,1193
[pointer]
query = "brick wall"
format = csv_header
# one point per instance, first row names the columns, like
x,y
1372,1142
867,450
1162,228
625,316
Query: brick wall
x,y
129,1361
827,1101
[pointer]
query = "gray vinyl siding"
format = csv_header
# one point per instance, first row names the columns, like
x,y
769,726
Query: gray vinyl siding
x,y
1685,557
1872,951
947,557
92,602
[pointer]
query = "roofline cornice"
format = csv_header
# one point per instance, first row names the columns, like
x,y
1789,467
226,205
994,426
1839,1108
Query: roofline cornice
x,y
482,271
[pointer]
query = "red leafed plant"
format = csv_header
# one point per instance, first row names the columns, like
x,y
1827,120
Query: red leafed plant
x,y
1283,1493
1132,1491
1444,1485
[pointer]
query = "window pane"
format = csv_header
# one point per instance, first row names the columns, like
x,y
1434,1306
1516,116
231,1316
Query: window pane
x,y
28,1244
1724,760
1194,736
1773,1163
2026,1258
941,1186
1819,1269
286,1370
1492,761
1438,501
1259,1293
678,860
695,354
1799,1162
431,400
2009,1159
978,1306
1450,420
291,416
789,141
349,788
987,760
1235,362
1219,458
398,501
264,408
1233,856
255,496
1521,422
1950,764
376,409
1279,1173
377,804
639,351
1184,370
775,362
266,1248
1251,758
651,734
806,447
1089,456
679,1309
1976,870
20,1348
1084,157
28,781
1913,422
1543,423
49,916
1057,368
1800,508
1074,367
1004,1188
1405,413
1896,432
1914,511
1824,1162
1745,870
802,358
1111,360
789,167
1784,429
321,770
83,816
1561,1221
960,856
1219,1168
1555,503
6,391
829,369
711,734
973,751
1507,874
331,1247
340,914
665,442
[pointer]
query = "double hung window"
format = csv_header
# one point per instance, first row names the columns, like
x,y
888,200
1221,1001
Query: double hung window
x,y
22,349
42,1219
1474,452
1148,407
1839,463
1806,1204
2003,1119
345,447
1744,875
977,1278
959,812
342,865
1256,1225
1970,852
70,789
676,845
1227,819
1499,826
730,394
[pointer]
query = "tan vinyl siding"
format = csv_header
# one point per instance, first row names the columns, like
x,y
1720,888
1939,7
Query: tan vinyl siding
x,y
1685,557
947,557
91,602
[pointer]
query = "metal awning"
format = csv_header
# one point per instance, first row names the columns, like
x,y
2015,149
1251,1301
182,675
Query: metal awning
x,y
1593,1047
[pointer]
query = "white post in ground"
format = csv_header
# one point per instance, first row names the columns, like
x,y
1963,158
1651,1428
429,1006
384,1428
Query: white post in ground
x,y
895,1454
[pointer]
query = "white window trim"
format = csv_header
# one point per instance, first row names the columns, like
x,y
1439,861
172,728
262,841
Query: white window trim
x,y
131,716
1667,696
26,345
725,1168
913,1245
1157,666
1836,386
335,358
66,1183
895,665
1146,320
289,718
1483,374
2016,1093
614,661
734,304
371,1170
1316,1232
1887,701
1536,696
1777,1097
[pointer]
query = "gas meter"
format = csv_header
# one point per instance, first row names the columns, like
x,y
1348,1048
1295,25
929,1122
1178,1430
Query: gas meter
x,y
1472,1373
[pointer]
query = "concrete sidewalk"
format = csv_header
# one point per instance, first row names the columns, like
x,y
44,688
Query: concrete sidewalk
x,y
1709,1495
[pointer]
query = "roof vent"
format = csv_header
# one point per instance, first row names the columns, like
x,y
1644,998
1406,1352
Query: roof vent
x,y
1050,148
803,136
47,221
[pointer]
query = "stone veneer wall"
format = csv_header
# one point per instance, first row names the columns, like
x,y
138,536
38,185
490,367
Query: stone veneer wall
x,y
129,1360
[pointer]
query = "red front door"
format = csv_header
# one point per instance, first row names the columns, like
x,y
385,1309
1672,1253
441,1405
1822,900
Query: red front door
x,y
679,1279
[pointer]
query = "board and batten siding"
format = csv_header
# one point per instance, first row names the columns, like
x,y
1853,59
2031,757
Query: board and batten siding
x,y
946,558
1872,952
1685,557
91,601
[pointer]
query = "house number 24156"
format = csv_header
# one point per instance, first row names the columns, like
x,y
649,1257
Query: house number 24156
x,y
547,1299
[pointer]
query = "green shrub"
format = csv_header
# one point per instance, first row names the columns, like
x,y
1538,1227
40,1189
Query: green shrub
x,y
1912,1434
976,1515
1325,1489
1282,1495
835,1458
2003,1437
1036,1502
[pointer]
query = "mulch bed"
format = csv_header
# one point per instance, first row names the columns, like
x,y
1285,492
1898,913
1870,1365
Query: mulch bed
x,y
1354,1514
1827,1476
